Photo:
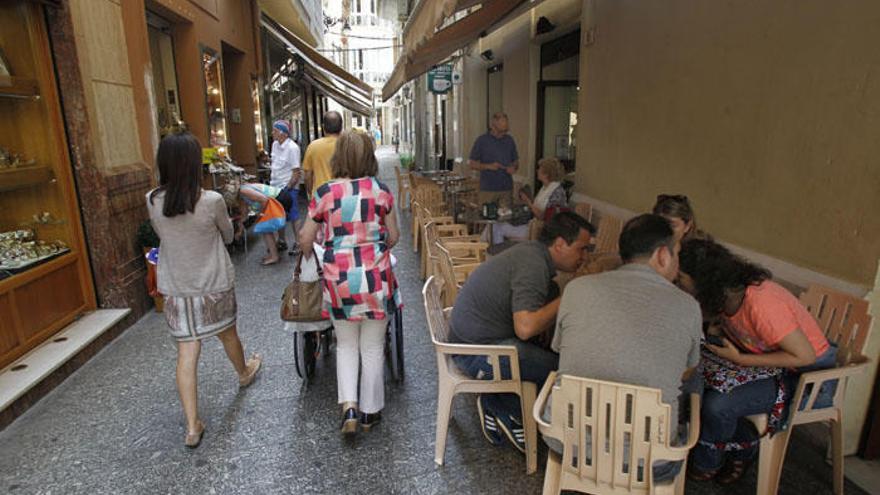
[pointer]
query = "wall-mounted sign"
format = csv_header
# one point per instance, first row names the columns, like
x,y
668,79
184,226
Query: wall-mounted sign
x,y
440,79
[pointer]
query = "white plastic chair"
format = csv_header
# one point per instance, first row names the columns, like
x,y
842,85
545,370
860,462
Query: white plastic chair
x,y
452,381
845,321
612,433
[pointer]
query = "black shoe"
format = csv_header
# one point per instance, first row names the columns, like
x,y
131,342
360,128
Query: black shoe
x,y
514,432
294,251
281,245
349,421
488,423
369,420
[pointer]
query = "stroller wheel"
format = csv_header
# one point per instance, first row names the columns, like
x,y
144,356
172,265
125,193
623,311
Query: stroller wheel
x,y
304,347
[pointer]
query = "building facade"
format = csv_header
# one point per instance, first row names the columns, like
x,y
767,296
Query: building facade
x,y
99,82
751,120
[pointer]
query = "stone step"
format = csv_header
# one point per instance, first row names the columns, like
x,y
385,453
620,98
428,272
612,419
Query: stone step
x,y
26,372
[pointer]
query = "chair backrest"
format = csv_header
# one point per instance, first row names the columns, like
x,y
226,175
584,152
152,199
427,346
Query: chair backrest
x,y
609,231
535,226
430,235
611,433
842,317
584,209
437,324
447,272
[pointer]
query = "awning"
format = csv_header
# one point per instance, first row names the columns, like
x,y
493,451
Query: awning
x,y
288,14
426,48
334,81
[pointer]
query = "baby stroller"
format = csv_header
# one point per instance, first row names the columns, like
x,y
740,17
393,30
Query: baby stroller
x,y
312,339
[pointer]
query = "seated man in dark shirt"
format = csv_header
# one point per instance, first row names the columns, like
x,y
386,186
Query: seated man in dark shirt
x,y
509,300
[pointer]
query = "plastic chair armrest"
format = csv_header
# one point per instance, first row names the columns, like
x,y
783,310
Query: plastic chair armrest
x,y
541,401
490,351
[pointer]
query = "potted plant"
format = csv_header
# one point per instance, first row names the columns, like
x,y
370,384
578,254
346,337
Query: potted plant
x,y
147,239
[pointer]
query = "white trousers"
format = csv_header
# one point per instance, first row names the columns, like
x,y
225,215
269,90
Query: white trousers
x,y
360,346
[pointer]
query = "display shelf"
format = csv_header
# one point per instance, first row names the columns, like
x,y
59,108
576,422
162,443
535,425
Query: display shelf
x,y
21,177
19,87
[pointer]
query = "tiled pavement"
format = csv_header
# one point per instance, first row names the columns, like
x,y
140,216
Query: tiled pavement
x,y
116,426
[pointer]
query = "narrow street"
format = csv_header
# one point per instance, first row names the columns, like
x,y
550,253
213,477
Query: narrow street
x,y
116,426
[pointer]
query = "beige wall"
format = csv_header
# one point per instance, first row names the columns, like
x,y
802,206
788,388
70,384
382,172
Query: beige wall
x,y
763,112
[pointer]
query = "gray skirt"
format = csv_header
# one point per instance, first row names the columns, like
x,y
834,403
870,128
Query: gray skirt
x,y
196,317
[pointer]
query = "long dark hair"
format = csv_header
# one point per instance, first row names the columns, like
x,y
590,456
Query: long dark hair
x,y
179,159
715,270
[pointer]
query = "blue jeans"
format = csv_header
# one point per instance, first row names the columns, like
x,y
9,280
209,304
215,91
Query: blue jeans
x,y
724,415
535,363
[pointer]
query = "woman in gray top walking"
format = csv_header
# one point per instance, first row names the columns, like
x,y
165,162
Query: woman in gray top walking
x,y
194,272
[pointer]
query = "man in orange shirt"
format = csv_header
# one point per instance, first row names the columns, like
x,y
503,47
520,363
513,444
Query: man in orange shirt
x,y
316,163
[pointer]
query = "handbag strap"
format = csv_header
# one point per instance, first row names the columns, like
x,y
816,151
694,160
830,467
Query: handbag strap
x,y
297,269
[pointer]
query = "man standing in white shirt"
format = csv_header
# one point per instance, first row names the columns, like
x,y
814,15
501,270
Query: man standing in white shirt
x,y
286,173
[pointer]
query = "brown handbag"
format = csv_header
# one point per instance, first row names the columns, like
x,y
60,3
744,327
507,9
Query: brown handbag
x,y
302,301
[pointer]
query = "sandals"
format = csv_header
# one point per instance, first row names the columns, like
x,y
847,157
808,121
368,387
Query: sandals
x,y
267,261
192,440
733,470
253,366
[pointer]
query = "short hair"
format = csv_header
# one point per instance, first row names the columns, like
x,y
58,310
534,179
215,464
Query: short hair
x,y
642,235
354,156
332,122
499,115
567,225
179,159
552,168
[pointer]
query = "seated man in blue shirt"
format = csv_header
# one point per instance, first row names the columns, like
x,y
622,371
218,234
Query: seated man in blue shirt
x,y
509,300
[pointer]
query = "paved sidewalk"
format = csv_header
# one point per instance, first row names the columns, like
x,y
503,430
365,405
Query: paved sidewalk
x,y
116,426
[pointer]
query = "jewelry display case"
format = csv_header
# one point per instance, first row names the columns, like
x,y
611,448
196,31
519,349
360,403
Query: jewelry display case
x,y
45,280
217,128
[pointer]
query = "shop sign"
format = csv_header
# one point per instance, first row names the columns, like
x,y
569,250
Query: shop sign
x,y
440,79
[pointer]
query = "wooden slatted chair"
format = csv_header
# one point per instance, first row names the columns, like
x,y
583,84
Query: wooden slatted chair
x,y
443,226
427,197
845,321
611,433
451,381
608,232
585,210
454,233
456,271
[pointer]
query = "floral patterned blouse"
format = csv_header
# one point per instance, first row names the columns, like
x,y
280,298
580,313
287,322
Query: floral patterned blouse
x,y
358,281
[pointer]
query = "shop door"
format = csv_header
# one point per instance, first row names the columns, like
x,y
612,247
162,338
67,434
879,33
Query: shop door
x,y
557,121
167,110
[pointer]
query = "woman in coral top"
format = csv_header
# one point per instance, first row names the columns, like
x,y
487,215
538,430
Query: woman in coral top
x,y
767,339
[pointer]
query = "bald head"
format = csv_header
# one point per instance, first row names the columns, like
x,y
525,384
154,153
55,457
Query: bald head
x,y
332,123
